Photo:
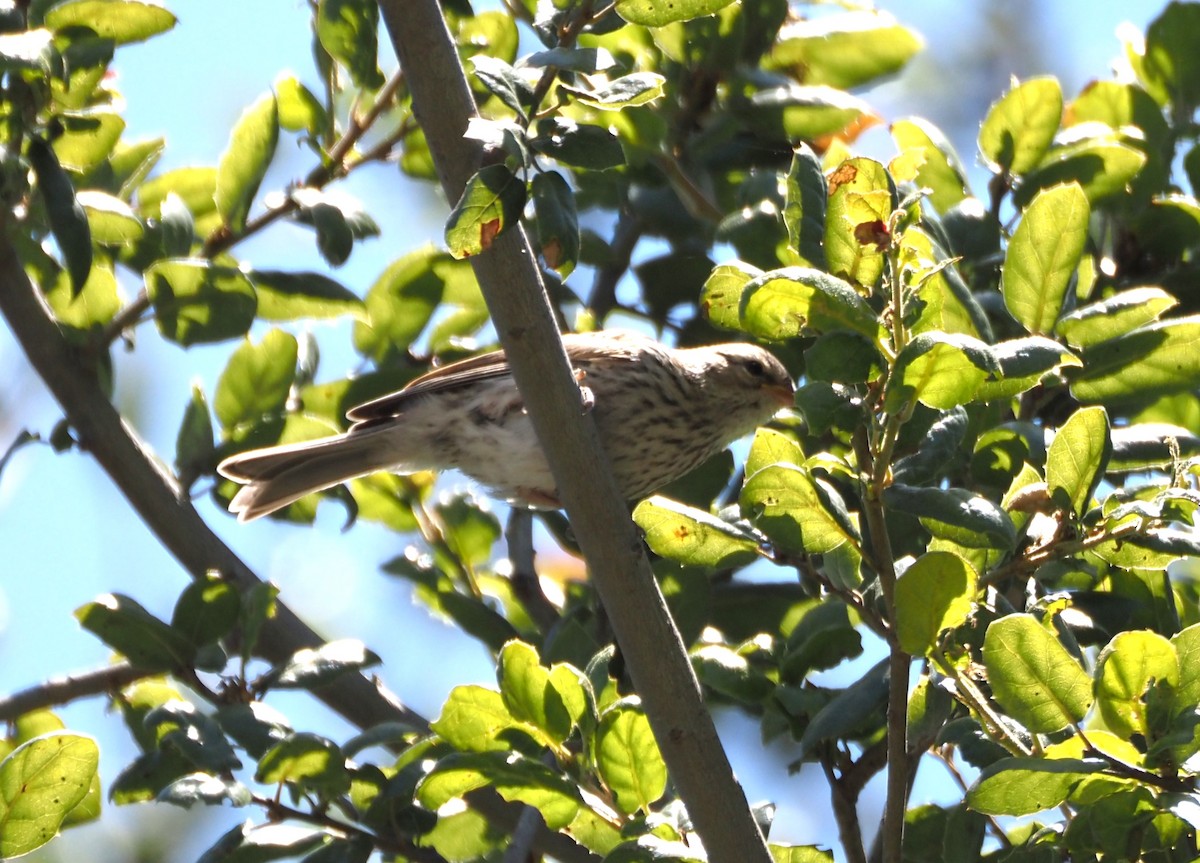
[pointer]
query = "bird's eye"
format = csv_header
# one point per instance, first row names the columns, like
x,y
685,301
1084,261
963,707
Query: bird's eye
x,y
755,368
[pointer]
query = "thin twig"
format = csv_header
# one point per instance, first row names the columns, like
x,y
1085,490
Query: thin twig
x,y
527,587
71,687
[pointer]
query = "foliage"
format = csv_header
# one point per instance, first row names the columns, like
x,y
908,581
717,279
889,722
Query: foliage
x,y
990,470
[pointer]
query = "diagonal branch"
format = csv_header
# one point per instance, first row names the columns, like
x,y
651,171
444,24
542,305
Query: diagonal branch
x,y
520,309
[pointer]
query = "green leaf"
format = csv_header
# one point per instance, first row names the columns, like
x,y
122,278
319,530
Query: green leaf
x,y
307,761
299,110
579,145
122,21
628,758
528,693
940,170
244,162
1187,650
179,727
640,88
129,629
88,138
339,221
1104,167
1033,677
658,13
797,510
348,30
1019,127
785,303
1151,361
1043,255
287,296
1023,364
490,204
799,854
843,50
772,447
1115,316
804,213
729,673
310,668
955,514
68,221
691,536
936,593
1128,666
514,777
95,305
203,788
941,370
857,707
41,781
196,301
797,113
1022,786
111,220
1077,457
474,719
861,200
207,610
557,222
1170,63
256,382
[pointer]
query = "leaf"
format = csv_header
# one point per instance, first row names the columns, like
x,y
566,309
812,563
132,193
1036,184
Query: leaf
x,y
311,668
843,50
861,199
129,629
187,791
1033,677
306,761
490,204
528,693
298,109
287,296
32,49
955,514
784,303
580,145
860,705
206,611
91,307
804,212
941,370
256,382
338,219
1019,127
772,447
111,220
1115,316
1104,167
640,88
658,13
1153,360
936,593
245,160
798,113
940,169
68,221
1042,256
41,781
515,778
730,674
797,510
196,301
473,720
691,536
1022,786
1125,671
122,21
557,222
628,759
1077,457
348,30
179,727
88,138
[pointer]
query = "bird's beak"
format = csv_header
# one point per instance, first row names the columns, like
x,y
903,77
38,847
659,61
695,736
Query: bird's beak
x,y
784,396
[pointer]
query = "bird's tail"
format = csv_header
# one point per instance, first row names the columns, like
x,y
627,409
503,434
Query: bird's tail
x,y
277,476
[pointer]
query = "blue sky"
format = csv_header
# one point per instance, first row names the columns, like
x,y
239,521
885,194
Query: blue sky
x,y
62,522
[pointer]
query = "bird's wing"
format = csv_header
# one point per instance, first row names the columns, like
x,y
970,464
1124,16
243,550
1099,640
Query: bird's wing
x,y
581,348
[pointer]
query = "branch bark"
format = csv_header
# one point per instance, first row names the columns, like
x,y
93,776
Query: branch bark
x,y
512,286
166,511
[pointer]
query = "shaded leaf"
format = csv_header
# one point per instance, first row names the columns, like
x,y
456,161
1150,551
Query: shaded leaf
x,y
245,160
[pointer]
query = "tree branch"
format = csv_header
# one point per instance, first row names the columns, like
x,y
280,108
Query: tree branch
x,y
70,687
511,284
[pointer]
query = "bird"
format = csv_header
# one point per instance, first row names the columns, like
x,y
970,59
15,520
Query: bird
x,y
659,412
